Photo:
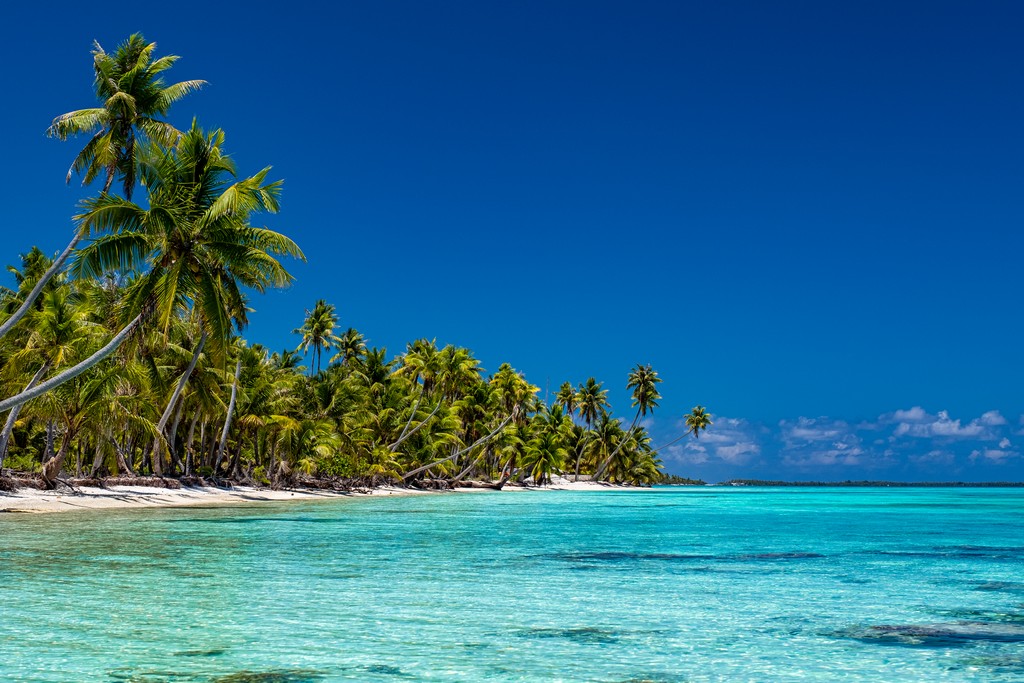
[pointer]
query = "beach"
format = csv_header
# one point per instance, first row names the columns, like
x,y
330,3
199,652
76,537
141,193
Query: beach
x,y
83,498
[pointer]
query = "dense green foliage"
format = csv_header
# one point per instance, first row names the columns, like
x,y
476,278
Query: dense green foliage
x,y
131,360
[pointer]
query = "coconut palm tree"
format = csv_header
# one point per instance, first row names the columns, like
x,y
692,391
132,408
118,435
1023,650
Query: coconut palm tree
x,y
134,97
697,421
130,85
192,246
545,453
591,401
566,397
643,380
317,332
351,344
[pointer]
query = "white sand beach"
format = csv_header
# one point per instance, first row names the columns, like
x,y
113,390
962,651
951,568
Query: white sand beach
x,y
93,498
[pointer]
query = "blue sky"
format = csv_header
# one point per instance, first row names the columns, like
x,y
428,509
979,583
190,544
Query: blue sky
x,y
799,213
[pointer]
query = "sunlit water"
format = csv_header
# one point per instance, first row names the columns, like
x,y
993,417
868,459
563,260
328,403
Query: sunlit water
x,y
662,585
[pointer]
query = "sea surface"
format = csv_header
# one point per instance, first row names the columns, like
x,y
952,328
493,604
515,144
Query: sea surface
x,y
665,585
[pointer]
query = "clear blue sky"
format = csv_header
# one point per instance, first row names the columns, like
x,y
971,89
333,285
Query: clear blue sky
x,y
792,210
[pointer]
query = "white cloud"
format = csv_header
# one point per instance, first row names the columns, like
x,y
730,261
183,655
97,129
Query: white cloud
x,y
1005,443
915,414
992,454
924,425
738,453
992,418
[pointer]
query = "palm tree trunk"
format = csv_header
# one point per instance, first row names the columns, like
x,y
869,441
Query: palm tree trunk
x,y
12,417
456,454
416,428
412,416
622,442
173,439
97,458
227,420
51,468
188,444
76,370
123,466
54,268
162,424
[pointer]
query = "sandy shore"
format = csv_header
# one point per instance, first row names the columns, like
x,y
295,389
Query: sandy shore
x,y
91,498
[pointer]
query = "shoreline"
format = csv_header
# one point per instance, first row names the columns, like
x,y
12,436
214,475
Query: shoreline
x,y
120,497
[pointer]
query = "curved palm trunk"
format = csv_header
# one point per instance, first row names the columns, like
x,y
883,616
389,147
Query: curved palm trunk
x,y
416,428
227,420
52,467
76,370
54,268
12,417
456,454
675,440
412,416
469,468
162,424
123,466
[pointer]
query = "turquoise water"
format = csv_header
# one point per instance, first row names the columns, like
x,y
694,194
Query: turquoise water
x,y
663,585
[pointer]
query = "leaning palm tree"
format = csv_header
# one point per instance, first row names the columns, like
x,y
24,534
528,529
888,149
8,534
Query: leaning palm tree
x,y
192,246
134,97
697,421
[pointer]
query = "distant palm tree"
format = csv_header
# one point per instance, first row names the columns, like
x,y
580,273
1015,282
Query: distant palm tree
x,y
592,401
643,380
318,331
351,344
566,397
698,420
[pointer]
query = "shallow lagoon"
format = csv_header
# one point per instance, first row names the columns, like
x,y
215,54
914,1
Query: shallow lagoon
x,y
663,585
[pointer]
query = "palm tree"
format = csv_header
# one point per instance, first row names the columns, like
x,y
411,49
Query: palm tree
x,y
592,401
566,397
134,96
351,344
698,420
545,453
643,380
192,245
318,331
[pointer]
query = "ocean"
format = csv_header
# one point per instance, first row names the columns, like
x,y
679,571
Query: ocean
x,y
662,585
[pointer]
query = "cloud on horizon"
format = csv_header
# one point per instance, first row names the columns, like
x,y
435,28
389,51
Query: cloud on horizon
x,y
904,445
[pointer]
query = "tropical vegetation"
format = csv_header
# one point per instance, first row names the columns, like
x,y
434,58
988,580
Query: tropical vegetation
x,y
123,355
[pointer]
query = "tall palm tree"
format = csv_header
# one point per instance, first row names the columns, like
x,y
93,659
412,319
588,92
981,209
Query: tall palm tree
x,y
192,245
317,331
134,96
